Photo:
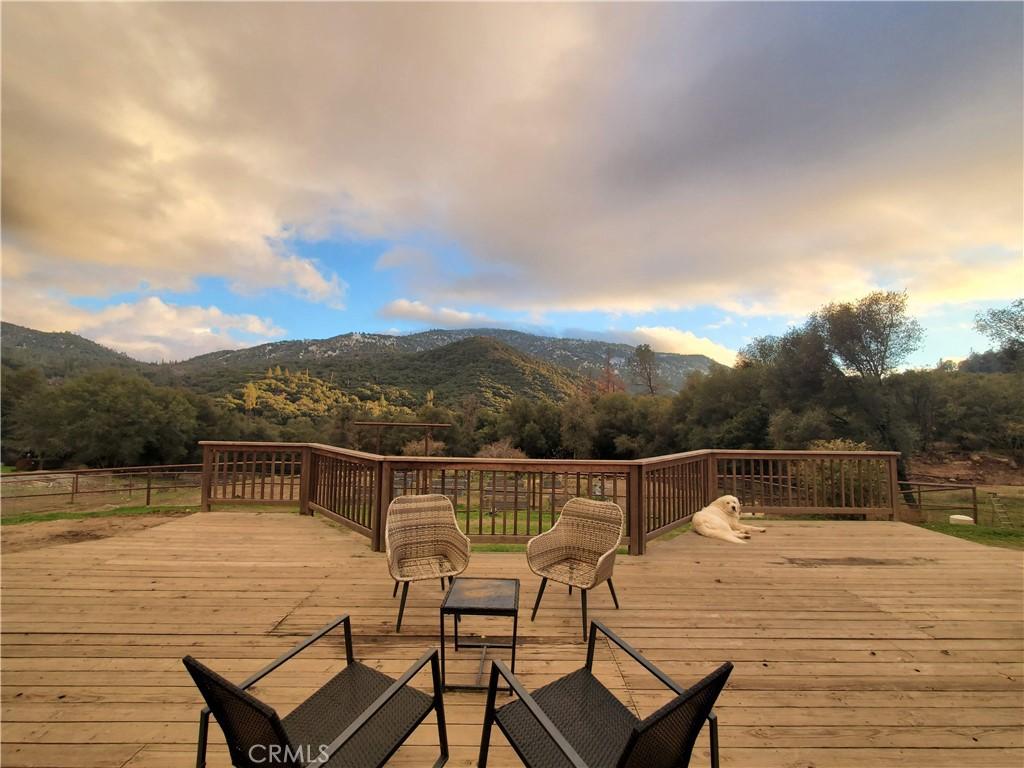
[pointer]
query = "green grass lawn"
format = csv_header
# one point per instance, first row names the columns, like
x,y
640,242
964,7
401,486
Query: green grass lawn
x,y
1011,496
43,517
505,523
5,468
1009,538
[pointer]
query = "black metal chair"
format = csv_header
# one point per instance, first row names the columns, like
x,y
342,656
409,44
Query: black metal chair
x,y
577,722
358,718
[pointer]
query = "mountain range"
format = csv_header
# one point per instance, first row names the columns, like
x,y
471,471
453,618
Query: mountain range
x,y
497,363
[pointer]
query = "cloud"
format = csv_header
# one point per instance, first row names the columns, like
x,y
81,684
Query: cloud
x,y
150,329
762,159
725,321
439,317
668,339
404,257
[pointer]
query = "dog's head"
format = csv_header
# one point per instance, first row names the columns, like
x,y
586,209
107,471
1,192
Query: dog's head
x,y
729,504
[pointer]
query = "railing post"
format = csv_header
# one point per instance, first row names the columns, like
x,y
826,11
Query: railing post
x,y
305,478
710,477
974,502
149,485
893,488
207,478
380,509
74,486
637,517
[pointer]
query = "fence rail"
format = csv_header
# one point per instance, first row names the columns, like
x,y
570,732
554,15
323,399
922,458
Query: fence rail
x,y
511,500
55,489
940,499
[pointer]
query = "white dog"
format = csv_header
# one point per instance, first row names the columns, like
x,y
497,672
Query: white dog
x,y
721,520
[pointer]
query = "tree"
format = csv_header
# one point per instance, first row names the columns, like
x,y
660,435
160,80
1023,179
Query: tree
x,y
1005,325
578,428
500,449
109,419
643,367
250,398
534,426
872,336
419,448
16,386
609,381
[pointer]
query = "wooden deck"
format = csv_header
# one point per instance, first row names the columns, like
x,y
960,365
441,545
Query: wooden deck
x,y
855,643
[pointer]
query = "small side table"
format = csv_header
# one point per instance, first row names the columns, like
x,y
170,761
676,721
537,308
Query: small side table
x,y
470,596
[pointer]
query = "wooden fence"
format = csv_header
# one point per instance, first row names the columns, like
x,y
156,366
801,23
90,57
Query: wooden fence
x,y
57,490
510,500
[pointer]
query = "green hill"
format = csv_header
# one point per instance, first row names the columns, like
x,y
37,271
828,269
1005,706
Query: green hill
x,y
486,367
58,355
492,371
582,356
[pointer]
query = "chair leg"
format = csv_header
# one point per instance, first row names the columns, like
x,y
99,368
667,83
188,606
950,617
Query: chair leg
x,y
583,596
401,607
442,583
540,594
395,590
451,580
614,598
439,712
485,738
713,722
570,589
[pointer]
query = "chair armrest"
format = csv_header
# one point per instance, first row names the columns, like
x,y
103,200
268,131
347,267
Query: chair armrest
x,y
346,620
378,704
467,542
637,656
605,564
499,668
204,714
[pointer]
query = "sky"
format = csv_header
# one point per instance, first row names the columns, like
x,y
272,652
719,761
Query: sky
x,y
180,178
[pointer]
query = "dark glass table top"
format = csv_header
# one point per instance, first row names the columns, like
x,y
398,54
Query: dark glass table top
x,y
494,597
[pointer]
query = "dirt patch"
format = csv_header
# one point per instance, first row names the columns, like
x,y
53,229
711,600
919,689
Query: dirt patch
x,y
972,468
20,538
817,562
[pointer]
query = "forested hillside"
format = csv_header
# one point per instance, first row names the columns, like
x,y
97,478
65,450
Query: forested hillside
x,y
348,354
838,377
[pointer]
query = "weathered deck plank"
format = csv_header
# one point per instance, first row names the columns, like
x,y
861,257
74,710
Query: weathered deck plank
x,y
855,643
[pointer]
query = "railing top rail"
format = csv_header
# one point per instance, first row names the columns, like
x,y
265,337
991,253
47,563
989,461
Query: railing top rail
x,y
932,486
260,445
673,457
557,466
576,463
573,464
771,453
580,463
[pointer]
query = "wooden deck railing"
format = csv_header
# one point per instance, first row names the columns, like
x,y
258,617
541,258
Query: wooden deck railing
x,y
510,500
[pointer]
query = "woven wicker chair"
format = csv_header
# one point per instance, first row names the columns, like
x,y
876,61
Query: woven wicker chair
x,y
423,541
575,722
579,550
358,718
